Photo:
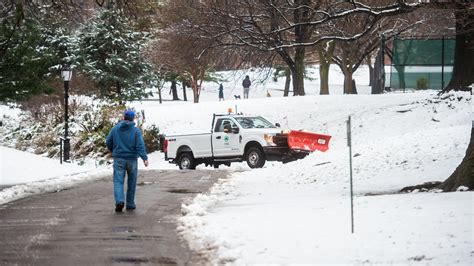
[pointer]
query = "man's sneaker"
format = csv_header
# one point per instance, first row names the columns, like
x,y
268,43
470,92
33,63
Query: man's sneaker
x,y
119,207
131,208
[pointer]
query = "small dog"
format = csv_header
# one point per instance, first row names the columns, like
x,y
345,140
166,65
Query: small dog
x,y
268,94
237,97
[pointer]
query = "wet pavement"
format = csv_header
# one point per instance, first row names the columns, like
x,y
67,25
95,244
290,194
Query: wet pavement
x,y
79,226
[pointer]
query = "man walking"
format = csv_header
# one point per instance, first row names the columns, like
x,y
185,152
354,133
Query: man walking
x,y
246,84
126,143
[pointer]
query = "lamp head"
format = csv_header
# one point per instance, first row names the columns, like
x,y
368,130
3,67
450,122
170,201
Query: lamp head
x,y
66,73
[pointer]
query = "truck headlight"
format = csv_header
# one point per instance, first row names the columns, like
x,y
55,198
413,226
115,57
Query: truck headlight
x,y
269,139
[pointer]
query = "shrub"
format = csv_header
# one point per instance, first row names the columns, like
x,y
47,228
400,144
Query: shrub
x,y
89,126
95,125
421,83
151,136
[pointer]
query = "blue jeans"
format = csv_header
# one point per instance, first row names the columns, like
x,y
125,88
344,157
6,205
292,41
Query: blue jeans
x,y
131,168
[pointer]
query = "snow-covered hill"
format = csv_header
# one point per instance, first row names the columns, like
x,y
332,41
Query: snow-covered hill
x,y
300,212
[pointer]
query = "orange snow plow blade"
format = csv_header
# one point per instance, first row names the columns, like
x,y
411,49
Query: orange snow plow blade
x,y
299,140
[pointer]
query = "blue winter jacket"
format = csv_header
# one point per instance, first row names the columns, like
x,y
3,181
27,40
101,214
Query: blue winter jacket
x,y
125,141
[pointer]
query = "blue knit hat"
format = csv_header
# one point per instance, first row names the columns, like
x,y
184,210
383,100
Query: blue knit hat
x,y
129,115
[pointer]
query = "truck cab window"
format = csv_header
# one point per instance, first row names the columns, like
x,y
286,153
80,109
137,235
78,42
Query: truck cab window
x,y
221,123
254,122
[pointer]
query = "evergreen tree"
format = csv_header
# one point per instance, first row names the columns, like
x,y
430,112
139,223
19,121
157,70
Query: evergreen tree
x,y
24,67
60,45
109,53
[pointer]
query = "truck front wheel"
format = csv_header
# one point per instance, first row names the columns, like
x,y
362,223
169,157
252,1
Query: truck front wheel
x,y
186,161
255,157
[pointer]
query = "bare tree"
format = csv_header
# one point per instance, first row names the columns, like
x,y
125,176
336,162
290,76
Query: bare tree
x,y
326,53
183,56
177,49
349,55
463,76
181,48
285,27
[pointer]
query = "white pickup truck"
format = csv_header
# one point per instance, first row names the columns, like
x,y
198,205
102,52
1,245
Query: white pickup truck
x,y
235,138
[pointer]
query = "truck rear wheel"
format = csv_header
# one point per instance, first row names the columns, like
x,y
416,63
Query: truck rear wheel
x,y
255,157
186,161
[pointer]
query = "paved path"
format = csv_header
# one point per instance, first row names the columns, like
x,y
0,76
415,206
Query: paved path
x,y
79,226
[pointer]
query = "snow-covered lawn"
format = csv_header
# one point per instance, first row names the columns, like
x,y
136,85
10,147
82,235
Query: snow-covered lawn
x,y
262,82
251,222
300,212
22,167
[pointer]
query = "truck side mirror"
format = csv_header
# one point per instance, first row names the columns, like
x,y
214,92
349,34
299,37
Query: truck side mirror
x,y
227,128
235,130
277,125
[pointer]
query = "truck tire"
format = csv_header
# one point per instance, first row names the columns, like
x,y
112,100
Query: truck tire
x,y
186,161
255,157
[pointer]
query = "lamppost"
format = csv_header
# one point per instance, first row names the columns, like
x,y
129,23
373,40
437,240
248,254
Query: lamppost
x,y
66,74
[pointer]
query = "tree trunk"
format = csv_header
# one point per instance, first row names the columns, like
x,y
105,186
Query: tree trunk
x,y
378,83
159,94
301,14
325,51
287,82
371,70
324,77
119,92
196,98
348,80
184,91
401,76
354,87
464,173
298,73
347,70
174,90
463,69
196,90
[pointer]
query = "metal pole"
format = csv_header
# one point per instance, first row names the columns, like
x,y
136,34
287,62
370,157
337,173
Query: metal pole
x,y
184,91
159,93
349,143
382,48
66,118
442,64
61,150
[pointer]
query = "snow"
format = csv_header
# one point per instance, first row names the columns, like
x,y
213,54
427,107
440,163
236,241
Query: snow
x,y
13,170
25,174
299,212
262,82
295,225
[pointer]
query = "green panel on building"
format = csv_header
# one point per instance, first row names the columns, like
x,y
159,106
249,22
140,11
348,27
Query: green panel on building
x,y
419,64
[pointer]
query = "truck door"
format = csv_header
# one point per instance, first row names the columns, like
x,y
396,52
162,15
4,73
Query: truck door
x,y
225,144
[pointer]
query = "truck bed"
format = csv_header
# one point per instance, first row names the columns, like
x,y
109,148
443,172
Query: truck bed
x,y
200,144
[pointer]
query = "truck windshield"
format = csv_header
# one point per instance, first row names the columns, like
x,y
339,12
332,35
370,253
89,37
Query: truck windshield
x,y
254,122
